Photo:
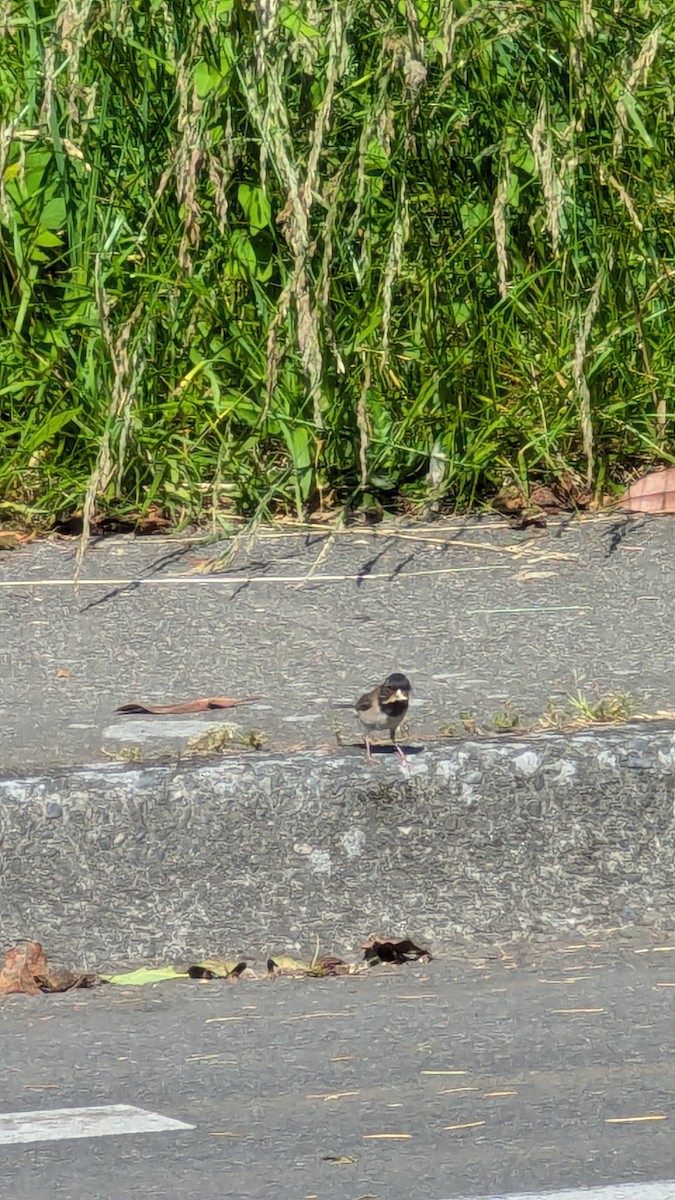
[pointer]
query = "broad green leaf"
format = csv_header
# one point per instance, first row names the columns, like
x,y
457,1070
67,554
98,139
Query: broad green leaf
x,y
244,251
256,206
474,215
45,237
207,79
460,311
523,158
206,11
48,429
632,110
53,214
512,190
376,157
293,21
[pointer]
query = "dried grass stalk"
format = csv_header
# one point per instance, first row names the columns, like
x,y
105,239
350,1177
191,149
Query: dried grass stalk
x,y
610,180
637,77
542,149
499,222
362,422
127,363
399,236
578,368
189,156
69,35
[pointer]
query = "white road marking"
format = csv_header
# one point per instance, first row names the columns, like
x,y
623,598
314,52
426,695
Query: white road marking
x,y
613,1191
105,1120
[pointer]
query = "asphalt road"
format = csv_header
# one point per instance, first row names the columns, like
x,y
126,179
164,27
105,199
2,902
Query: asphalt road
x,y
475,613
499,1075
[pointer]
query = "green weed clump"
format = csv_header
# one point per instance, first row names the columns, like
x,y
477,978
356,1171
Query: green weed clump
x,y
256,258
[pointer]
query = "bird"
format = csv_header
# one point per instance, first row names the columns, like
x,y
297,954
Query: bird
x,y
384,707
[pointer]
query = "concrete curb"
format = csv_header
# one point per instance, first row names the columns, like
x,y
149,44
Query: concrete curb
x,y
482,840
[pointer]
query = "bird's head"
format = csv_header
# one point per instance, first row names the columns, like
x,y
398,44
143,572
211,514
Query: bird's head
x,y
395,688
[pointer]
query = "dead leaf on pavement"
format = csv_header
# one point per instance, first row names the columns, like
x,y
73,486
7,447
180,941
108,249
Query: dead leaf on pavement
x,y
331,965
11,539
213,969
27,972
188,706
546,498
152,523
529,519
326,964
142,526
653,493
282,964
564,495
144,975
392,950
217,970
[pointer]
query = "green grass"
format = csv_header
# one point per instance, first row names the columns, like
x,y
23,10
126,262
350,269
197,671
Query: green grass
x,y
382,254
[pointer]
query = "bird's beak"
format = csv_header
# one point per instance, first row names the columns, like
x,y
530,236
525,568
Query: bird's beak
x,y
398,695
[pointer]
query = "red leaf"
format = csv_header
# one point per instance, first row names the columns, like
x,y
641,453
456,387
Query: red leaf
x,y
188,706
27,972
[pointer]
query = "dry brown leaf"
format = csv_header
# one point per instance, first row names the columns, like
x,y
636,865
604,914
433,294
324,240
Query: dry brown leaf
x,y
562,496
326,964
653,493
282,964
27,972
11,539
393,950
216,970
509,499
152,523
329,964
545,497
188,706
21,967
142,526
528,519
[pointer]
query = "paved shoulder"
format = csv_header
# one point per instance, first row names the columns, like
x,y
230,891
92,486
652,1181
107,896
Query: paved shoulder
x,y
474,613
489,1078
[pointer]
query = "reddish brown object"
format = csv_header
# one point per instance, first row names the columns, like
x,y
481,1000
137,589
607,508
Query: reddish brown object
x,y
188,706
393,950
152,523
653,493
564,495
27,972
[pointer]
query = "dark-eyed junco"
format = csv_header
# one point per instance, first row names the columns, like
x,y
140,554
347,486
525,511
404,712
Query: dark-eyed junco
x,y
384,708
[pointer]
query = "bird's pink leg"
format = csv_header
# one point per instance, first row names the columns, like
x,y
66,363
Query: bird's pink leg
x,y
401,754
369,753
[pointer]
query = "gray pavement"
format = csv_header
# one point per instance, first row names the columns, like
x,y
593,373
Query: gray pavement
x,y
478,840
503,1074
475,613
548,1066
